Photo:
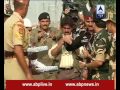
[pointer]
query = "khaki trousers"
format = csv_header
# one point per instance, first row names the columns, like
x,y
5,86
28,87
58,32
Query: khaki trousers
x,y
12,70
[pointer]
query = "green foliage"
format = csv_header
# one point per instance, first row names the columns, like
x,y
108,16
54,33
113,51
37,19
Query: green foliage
x,y
109,4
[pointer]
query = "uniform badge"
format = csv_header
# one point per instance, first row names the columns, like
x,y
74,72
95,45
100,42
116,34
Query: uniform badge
x,y
21,30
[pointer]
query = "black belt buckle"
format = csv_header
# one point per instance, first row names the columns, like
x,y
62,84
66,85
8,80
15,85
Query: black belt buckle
x,y
66,68
8,54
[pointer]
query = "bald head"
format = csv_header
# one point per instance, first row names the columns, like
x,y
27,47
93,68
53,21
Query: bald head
x,y
21,6
20,3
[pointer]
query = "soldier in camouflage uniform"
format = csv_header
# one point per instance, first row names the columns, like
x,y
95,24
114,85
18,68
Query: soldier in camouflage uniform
x,y
44,36
111,27
100,52
113,60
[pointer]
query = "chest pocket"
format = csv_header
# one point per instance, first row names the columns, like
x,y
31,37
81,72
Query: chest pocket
x,y
46,40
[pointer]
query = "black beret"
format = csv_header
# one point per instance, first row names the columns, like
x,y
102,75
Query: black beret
x,y
44,15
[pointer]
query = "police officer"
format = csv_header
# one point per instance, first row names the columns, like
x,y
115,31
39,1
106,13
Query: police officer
x,y
43,36
16,62
100,51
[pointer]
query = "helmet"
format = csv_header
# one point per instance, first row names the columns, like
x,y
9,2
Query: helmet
x,y
27,22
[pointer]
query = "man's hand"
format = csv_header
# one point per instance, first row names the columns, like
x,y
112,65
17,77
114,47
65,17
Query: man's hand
x,y
52,34
81,64
86,53
61,42
68,39
41,34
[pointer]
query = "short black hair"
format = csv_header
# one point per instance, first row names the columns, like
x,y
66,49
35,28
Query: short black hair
x,y
67,20
99,22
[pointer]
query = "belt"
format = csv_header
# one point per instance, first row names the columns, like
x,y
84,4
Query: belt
x,y
66,68
11,54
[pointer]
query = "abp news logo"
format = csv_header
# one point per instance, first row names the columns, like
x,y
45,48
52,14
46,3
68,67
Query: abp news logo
x,y
100,13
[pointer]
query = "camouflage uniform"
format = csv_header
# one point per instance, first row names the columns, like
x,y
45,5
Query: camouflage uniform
x,y
101,46
46,40
113,57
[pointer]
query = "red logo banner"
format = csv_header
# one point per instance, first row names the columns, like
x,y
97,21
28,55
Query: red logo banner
x,y
59,85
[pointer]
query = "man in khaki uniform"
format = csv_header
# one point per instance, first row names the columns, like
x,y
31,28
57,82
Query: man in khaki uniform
x,y
16,65
43,36
31,50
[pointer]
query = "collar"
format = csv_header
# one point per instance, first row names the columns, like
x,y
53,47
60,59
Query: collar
x,y
18,16
39,29
98,33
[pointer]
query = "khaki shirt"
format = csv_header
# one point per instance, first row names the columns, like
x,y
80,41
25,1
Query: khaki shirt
x,y
46,40
14,32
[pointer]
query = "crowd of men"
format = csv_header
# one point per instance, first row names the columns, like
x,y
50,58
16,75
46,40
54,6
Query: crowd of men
x,y
83,48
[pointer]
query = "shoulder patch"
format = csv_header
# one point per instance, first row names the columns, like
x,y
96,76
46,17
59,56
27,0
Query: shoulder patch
x,y
21,30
